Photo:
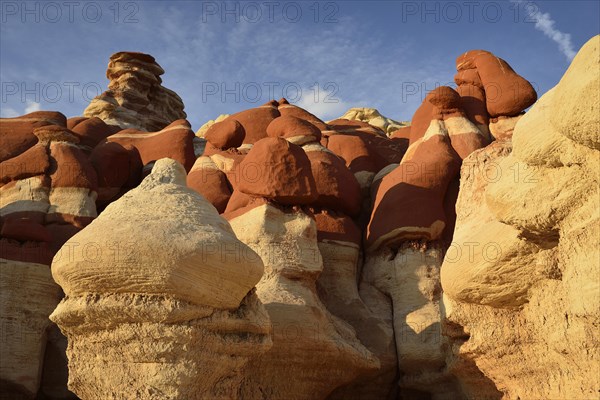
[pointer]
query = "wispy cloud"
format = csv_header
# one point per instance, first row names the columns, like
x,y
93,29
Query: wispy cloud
x,y
322,104
10,112
545,24
32,106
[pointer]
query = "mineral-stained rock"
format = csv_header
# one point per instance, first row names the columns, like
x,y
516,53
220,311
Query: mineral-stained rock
x,y
208,180
373,117
336,186
365,148
16,134
506,92
409,201
47,193
472,96
295,130
256,120
135,97
226,134
289,110
174,141
204,128
279,170
318,350
339,244
119,169
91,131
521,298
169,315
51,185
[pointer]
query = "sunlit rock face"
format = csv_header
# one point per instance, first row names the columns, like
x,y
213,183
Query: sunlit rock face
x,y
135,97
276,255
522,306
171,315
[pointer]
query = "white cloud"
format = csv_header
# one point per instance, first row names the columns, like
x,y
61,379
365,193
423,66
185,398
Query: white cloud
x,y
545,24
323,104
8,112
32,106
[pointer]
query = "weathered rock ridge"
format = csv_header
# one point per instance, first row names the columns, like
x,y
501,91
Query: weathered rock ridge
x,y
135,97
275,255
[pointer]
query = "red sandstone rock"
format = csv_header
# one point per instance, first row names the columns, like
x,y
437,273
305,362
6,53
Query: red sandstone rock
x,y
296,130
336,186
278,170
470,88
24,230
208,180
16,134
33,161
333,226
289,110
226,134
118,168
48,190
507,93
256,120
91,131
409,202
175,141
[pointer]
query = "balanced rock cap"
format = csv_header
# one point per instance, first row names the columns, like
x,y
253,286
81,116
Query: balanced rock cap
x,y
185,250
226,134
296,130
278,170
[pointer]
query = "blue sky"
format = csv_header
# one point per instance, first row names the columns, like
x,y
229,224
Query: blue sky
x,y
224,57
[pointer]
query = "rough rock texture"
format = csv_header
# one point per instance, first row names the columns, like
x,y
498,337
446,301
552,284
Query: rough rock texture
x,y
373,117
201,132
521,286
27,296
293,129
47,193
226,134
315,349
328,281
146,318
409,278
256,120
173,141
278,170
135,97
506,92
339,242
208,180
409,203
336,186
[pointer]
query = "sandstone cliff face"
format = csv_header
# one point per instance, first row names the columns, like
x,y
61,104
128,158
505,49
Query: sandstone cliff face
x,y
48,190
521,301
301,259
135,97
171,315
315,349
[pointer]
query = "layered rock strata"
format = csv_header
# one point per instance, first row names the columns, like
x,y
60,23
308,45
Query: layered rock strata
x,y
135,97
171,315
